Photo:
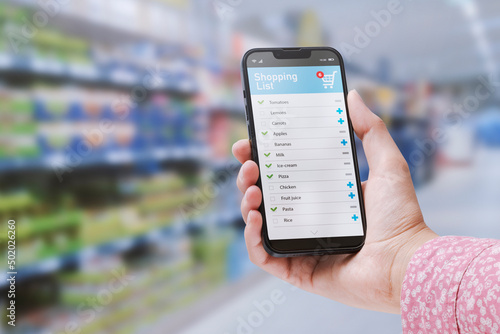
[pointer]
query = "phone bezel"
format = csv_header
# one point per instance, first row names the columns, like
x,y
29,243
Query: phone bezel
x,y
306,246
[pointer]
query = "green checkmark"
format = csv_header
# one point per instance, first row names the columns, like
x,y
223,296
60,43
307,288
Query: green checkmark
x,y
269,166
267,154
260,102
274,209
265,133
270,176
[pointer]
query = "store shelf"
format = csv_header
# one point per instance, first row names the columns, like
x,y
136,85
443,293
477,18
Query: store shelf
x,y
119,76
58,263
229,109
230,164
119,245
227,217
115,157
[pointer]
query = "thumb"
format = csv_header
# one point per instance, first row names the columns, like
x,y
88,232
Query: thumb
x,y
380,150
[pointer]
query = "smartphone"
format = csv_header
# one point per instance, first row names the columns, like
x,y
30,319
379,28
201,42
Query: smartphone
x,y
302,140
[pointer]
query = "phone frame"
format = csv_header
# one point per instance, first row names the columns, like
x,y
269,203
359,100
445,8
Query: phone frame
x,y
305,246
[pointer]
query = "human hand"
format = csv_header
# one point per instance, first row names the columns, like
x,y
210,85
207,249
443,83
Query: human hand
x,y
371,278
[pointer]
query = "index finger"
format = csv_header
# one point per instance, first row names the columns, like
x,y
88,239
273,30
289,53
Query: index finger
x,y
242,150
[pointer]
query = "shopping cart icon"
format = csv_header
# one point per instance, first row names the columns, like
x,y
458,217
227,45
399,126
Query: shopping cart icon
x,y
328,80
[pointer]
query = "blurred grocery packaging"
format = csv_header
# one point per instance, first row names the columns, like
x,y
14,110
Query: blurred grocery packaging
x,y
116,123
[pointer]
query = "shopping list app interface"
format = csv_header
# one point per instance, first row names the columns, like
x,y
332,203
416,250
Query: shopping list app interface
x,y
306,161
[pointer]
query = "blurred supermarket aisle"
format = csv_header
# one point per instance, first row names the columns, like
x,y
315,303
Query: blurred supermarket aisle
x,y
116,124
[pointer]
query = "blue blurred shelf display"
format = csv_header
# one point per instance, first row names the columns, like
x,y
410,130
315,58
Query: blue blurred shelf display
x,y
115,75
112,158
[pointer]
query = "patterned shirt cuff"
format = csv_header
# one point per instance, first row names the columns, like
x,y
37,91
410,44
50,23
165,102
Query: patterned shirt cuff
x,y
432,280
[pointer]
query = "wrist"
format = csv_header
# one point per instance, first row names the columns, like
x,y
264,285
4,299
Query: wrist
x,y
403,257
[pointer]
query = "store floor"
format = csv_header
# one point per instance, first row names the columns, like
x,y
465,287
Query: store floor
x,y
460,200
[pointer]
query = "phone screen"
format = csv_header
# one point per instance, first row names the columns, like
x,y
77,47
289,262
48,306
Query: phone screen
x,y
304,146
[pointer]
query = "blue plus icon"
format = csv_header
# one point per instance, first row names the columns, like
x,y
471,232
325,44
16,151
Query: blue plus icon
x,y
341,121
350,184
343,142
354,217
351,195
339,111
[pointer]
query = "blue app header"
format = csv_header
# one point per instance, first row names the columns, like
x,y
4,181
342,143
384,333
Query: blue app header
x,y
295,80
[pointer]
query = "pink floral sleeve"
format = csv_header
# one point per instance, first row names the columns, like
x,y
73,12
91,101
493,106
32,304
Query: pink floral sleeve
x,y
452,285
